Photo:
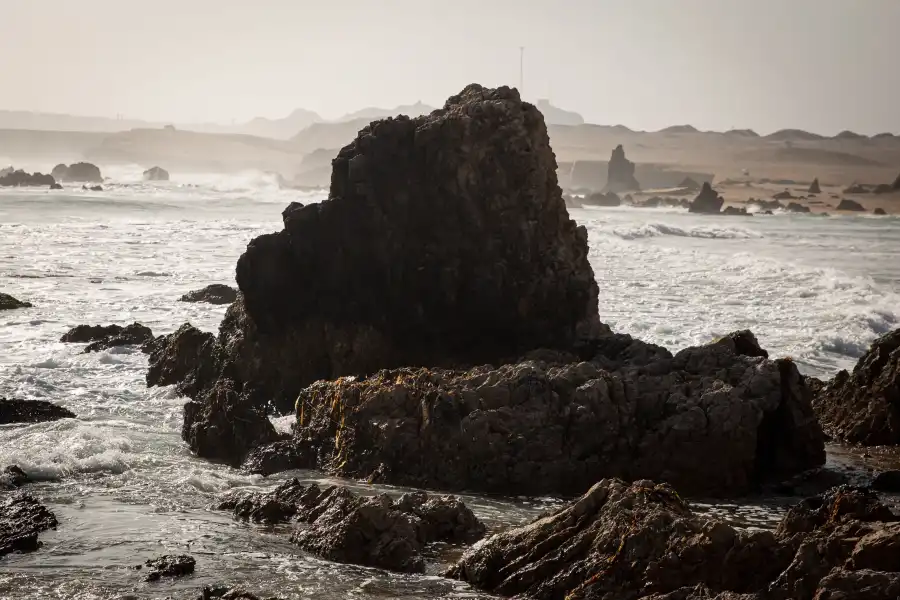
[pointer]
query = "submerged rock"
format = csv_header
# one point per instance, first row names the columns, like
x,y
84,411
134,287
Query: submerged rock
x,y
7,302
156,174
20,178
216,293
707,201
13,477
850,205
78,172
620,175
735,211
103,337
814,187
372,531
22,519
31,411
279,456
169,565
622,541
797,208
879,211
863,407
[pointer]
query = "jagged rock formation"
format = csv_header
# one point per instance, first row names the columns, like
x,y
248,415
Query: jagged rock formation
x,y
78,172
103,337
622,541
31,411
850,205
620,177
22,519
169,565
216,293
711,420
814,187
156,174
373,531
863,407
7,302
20,178
707,201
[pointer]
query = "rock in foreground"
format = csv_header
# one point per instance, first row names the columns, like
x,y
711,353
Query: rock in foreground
x,y
31,411
622,541
863,407
7,302
103,337
216,293
22,519
376,531
156,174
707,201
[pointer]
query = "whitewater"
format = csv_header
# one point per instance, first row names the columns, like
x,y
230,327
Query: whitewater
x,y
124,486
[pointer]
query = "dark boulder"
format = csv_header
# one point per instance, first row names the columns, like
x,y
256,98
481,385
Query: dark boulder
x,y
12,477
745,344
56,186
794,207
169,565
216,293
79,172
785,195
31,411
156,174
620,174
850,205
887,481
59,172
22,519
857,188
181,358
20,178
879,211
863,407
372,531
279,456
814,187
93,188
7,302
103,337
707,201
737,212
601,199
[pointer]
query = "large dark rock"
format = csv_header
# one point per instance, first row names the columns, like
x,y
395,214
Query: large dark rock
x,y
103,337
13,477
181,358
375,531
169,565
850,205
156,174
796,207
710,420
22,519
620,177
622,541
7,302
216,293
79,172
279,456
707,201
601,199
879,211
31,411
20,178
863,407
814,187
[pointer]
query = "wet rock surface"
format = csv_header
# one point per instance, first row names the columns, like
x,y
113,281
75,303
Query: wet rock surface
x,y
279,456
863,407
642,540
22,519
7,302
339,525
168,565
707,201
183,358
224,592
31,411
103,337
620,176
216,293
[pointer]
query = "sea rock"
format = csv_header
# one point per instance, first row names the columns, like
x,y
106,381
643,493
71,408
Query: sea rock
x,y
879,211
689,185
180,359
863,407
896,184
216,293
710,420
31,411
279,456
372,531
229,593
735,211
79,172
7,302
887,481
20,178
621,541
56,186
601,199
22,519
851,205
883,188
795,207
620,175
857,188
814,187
707,201
785,195
103,337
156,174
13,477
169,565
93,188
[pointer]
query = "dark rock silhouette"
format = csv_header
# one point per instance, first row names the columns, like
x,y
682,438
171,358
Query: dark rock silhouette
x,y
622,541
857,188
735,211
93,188
103,337
13,477
620,177
20,178
31,411
707,201
797,208
78,173
372,531
690,185
896,184
601,199
169,565
883,188
216,293
181,358
850,205
222,592
887,481
785,195
22,519
814,187
7,302
156,174
879,211
56,186
862,407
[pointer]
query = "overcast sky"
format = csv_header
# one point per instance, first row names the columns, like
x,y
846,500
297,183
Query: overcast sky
x,y
820,65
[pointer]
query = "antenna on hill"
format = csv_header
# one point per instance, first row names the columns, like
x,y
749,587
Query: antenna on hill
x,y
522,70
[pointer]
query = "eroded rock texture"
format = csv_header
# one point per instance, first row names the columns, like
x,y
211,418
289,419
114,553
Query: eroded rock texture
x,y
104,337
31,411
22,519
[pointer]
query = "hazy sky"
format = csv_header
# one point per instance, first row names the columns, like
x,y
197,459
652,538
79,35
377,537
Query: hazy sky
x,y
821,65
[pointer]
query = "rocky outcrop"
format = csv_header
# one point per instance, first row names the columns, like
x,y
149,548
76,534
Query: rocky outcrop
x,y
863,407
7,302
216,293
814,187
795,207
168,565
22,519
20,178
56,186
620,177
103,337
376,531
736,212
896,184
79,172
156,174
31,411
785,195
222,592
707,201
601,199
690,185
183,358
710,420
93,188
879,211
850,205
622,541
13,477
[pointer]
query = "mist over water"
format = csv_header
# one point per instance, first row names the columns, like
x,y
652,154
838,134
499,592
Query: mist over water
x,y
123,484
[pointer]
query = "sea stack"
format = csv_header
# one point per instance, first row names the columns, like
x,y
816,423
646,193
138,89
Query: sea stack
x,y
707,201
814,187
620,176
156,174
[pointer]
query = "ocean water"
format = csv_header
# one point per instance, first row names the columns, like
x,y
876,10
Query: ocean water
x,y
121,481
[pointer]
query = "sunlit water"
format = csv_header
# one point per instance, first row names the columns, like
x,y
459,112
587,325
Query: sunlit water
x,y
125,488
